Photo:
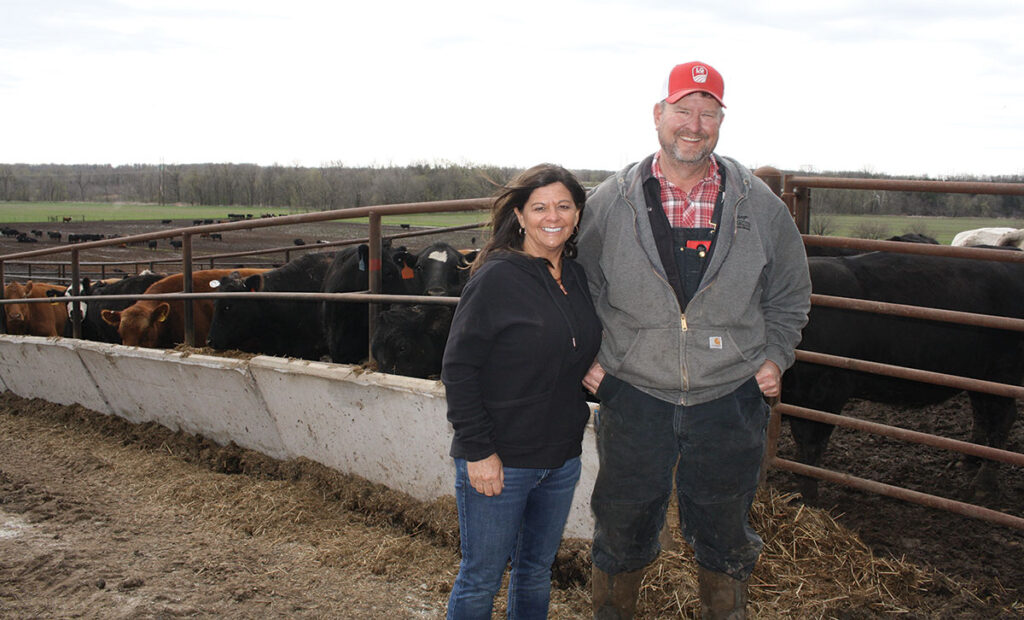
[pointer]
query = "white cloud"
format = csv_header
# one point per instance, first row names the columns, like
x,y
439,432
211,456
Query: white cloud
x,y
898,86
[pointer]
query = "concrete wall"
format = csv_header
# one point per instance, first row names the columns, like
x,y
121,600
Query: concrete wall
x,y
388,429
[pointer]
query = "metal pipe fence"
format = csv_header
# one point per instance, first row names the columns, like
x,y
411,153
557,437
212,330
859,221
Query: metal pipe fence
x,y
374,213
794,191
796,194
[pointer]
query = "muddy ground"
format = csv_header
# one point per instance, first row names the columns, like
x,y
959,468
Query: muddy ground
x,y
112,521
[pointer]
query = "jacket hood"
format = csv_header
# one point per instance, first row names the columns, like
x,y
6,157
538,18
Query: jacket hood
x,y
536,267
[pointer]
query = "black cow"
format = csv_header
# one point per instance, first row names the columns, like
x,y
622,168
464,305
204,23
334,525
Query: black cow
x,y
93,325
820,250
83,237
346,325
975,286
410,340
287,328
914,238
439,269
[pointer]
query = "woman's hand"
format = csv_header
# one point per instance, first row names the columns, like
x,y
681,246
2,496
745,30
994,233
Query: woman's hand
x,y
487,476
592,380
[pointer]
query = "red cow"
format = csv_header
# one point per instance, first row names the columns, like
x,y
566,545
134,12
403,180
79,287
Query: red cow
x,y
161,324
34,319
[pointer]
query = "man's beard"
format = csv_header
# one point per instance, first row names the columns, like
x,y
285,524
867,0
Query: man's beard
x,y
677,155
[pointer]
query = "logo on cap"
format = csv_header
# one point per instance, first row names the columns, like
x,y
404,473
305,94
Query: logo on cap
x,y
700,74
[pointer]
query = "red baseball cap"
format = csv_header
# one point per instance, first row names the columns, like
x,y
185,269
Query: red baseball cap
x,y
693,77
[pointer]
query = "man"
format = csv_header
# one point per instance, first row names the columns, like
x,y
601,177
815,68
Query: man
x,y
700,279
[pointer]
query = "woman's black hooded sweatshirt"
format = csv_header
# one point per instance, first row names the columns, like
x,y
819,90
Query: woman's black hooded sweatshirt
x,y
517,353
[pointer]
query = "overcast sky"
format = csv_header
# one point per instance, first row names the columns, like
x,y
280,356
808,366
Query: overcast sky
x,y
891,86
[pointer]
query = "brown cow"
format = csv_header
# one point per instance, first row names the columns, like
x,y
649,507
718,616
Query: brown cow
x,y
157,323
34,319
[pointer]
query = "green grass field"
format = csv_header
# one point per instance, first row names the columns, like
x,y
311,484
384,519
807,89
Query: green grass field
x,y
943,229
872,227
18,212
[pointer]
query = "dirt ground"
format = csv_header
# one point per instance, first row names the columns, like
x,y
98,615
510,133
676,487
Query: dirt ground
x,y
100,518
103,519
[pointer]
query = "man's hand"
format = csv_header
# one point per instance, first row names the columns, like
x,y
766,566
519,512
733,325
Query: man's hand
x,y
592,380
769,379
487,476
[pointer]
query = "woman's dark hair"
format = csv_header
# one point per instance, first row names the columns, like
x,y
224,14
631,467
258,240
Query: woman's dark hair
x,y
505,229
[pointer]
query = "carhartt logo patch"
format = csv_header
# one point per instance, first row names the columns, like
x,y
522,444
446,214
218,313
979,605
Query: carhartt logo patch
x,y
715,342
700,74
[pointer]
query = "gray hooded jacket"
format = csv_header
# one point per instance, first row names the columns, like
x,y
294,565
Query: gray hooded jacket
x,y
750,306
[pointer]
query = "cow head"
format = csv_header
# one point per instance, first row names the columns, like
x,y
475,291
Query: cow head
x,y
410,340
234,320
140,325
16,315
441,270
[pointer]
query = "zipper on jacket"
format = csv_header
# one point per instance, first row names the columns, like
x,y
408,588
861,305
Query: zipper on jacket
x,y
682,316
682,353
560,300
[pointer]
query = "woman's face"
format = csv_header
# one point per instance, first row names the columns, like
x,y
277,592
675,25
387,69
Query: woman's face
x,y
548,219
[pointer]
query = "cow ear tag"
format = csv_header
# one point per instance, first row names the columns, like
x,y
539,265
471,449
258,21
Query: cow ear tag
x,y
407,272
362,264
214,283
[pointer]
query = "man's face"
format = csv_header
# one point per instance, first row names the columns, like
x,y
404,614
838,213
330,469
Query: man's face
x,y
688,128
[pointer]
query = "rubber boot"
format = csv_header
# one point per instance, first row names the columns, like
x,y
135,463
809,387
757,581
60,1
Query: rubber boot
x,y
721,596
615,596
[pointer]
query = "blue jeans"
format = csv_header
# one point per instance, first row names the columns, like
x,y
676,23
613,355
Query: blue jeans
x,y
523,524
718,448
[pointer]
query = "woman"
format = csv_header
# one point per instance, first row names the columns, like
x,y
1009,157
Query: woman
x,y
522,338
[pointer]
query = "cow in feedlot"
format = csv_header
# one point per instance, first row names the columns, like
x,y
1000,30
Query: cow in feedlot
x,y
346,325
92,323
34,319
976,286
1012,239
980,236
818,250
161,324
410,340
439,269
287,328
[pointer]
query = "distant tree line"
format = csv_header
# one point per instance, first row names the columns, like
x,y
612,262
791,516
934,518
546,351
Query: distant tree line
x,y
339,187
870,202
249,185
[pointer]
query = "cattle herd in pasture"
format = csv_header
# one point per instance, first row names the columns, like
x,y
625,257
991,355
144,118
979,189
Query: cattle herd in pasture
x,y
410,338
35,234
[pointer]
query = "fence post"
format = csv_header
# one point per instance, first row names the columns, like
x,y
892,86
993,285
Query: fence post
x,y
3,307
186,287
772,177
375,278
798,199
76,290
